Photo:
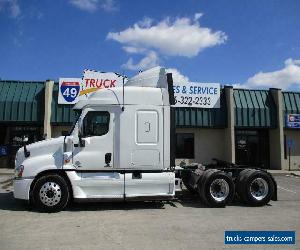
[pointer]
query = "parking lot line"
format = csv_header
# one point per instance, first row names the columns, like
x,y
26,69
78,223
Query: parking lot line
x,y
288,190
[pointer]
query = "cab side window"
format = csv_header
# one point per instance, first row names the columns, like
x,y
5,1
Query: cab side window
x,y
96,123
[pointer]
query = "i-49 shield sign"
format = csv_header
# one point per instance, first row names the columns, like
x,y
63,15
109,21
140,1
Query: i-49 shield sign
x,y
69,90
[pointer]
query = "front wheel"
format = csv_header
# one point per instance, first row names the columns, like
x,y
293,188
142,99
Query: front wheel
x,y
51,193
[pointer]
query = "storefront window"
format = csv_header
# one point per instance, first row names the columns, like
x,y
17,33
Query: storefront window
x,y
3,143
185,146
252,148
17,134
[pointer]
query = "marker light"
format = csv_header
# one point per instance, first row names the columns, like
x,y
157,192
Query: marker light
x,y
19,171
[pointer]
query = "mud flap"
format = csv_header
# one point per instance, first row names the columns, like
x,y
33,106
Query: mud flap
x,y
274,196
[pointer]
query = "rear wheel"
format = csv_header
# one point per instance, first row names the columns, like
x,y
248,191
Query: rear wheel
x,y
216,189
255,187
51,193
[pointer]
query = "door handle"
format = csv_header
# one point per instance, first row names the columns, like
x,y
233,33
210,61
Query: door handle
x,y
107,158
147,127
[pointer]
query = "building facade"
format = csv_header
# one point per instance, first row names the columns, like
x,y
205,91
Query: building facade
x,y
249,128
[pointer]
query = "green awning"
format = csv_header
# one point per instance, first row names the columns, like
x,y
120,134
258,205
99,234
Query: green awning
x,y
22,101
201,117
291,104
61,113
254,109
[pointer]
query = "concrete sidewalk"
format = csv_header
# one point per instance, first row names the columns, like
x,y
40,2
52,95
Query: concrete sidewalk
x,y
9,171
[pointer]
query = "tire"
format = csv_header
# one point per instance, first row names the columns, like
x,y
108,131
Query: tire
x,y
255,187
241,177
216,189
51,193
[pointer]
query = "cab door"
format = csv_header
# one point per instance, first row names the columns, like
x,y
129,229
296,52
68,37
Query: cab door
x,y
93,155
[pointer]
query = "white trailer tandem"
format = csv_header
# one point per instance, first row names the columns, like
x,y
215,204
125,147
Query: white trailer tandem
x,y
121,148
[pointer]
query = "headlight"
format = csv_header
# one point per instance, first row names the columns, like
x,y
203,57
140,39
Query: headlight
x,y
19,171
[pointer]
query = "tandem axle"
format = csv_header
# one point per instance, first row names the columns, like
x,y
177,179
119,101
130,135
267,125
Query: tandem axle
x,y
219,183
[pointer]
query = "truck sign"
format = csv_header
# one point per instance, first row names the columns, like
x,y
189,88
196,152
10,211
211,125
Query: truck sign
x,y
71,90
95,80
197,95
293,121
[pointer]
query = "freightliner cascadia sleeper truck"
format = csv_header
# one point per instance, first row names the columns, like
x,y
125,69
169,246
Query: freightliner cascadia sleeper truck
x,y
121,147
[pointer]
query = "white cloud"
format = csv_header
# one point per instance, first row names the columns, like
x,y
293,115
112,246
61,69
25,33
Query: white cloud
x,y
146,22
180,37
15,9
149,61
285,78
197,16
238,85
12,6
177,76
109,5
89,5
183,37
93,5
134,50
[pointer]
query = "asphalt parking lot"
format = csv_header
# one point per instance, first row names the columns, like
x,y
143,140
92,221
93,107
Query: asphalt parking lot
x,y
181,224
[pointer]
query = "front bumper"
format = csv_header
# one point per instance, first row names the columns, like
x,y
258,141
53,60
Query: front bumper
x,y
22,188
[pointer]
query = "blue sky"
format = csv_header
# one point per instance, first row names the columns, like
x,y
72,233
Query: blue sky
x,y
248,43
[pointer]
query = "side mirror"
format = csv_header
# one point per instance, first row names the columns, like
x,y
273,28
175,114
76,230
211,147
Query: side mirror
x,y
26,152
81,141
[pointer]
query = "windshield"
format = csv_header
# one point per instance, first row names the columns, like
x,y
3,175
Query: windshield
x,y
77,113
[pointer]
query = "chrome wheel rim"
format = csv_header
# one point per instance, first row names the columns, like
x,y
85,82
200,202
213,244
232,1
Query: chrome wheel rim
x,y
259,189
219,189
50,194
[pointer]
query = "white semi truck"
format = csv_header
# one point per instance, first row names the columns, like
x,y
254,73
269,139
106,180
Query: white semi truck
x,y
122,148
